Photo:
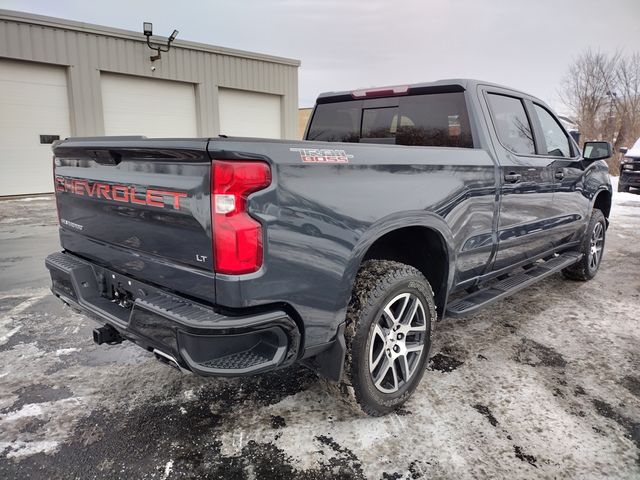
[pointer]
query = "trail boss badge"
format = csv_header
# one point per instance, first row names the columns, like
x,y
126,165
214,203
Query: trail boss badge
x,y
322,155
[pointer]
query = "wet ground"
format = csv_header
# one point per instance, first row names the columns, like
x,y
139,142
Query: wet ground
x,y
545,384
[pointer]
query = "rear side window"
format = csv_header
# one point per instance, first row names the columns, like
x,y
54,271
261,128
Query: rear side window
x,y
511,123
554,137
336,122
439,120
435,120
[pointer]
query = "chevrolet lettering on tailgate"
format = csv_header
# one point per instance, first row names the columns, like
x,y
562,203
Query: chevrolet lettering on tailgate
x,y
119,193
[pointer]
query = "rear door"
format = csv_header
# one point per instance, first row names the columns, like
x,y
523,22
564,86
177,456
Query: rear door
x,y
526,203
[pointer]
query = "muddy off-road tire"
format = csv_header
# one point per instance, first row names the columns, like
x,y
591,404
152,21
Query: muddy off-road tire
x,y
390,319
592,248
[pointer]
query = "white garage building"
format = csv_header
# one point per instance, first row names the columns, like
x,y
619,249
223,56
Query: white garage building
x,y
60,78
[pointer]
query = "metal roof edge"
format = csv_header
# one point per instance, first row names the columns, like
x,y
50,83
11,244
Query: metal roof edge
x,y
54,22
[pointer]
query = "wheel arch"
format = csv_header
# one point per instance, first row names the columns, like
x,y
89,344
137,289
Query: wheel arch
x,y
602,201
415,238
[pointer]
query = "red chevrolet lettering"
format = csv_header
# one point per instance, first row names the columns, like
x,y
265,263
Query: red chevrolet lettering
x,y
91,189
103,190
154,198
176,197
119,193
135,199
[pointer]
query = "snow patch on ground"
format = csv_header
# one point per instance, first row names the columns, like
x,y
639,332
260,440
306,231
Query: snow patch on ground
x,y
20,449
65,351
34,199
625,204
40,409
168,468
8,327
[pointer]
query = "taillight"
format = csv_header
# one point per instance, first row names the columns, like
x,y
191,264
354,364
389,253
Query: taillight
x,y
55,186
237,237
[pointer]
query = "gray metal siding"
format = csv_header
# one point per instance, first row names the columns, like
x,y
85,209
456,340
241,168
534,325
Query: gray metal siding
x,y
88,50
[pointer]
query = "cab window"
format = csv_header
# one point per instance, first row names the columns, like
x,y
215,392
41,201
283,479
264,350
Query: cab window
x,y
336,122
439,120
432,120
556,140
512,124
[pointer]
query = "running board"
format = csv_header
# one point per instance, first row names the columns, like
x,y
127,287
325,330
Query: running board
x,y
510,285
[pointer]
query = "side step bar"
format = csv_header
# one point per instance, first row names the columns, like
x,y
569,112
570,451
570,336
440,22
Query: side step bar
x,y
510,285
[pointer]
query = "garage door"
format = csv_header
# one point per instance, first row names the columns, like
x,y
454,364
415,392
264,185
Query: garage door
x,y
33,102
148,106
249,114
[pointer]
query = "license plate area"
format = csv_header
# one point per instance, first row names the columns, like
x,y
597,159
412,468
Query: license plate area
x,y
122,291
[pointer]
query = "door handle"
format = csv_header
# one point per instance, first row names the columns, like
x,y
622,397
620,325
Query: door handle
x,y
512,177
559,175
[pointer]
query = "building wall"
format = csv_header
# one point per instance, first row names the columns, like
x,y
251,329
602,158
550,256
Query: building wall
x,y
87,50
303,118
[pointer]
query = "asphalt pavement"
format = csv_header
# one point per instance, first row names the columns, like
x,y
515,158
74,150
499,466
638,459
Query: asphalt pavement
x,y
545,384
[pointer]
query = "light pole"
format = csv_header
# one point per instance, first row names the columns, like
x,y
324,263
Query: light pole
x,y
610,120
147,29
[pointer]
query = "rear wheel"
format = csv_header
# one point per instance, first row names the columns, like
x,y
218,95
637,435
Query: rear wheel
x,y
388,335
592,249
623,188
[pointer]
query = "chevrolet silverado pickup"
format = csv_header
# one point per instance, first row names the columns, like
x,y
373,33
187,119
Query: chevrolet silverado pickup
x,y
630,168
237,256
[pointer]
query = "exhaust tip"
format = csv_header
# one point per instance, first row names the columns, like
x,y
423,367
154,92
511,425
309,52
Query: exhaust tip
x,y
168,360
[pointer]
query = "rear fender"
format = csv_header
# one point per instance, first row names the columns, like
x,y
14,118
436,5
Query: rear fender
x,y
415,218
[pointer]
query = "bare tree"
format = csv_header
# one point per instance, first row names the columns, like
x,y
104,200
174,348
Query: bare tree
x,y
603,93
628,104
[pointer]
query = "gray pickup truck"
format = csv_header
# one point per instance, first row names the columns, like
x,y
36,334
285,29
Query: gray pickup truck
x,y
236,256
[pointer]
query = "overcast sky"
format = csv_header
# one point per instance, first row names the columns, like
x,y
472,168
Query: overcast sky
x,y
346,44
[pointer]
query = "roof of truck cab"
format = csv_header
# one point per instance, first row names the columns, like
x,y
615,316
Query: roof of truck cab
x,y
438,86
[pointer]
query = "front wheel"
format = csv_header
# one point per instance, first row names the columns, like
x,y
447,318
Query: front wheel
x,y
623,188
388,335
592,248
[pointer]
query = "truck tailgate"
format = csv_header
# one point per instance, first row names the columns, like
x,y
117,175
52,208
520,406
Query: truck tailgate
x,y
138,206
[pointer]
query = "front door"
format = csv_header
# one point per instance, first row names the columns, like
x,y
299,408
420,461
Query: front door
x,y
571,207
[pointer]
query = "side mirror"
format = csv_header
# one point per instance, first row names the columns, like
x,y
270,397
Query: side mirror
x,y
623,150
596,150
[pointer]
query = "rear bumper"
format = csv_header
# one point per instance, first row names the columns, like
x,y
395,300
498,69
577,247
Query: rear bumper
x,y
196,336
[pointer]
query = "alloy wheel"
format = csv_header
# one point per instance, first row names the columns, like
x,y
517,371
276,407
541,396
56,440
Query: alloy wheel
x,y
397,341
596,245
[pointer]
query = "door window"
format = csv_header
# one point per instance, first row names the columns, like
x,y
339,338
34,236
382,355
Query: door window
x,y
555,138
511,124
